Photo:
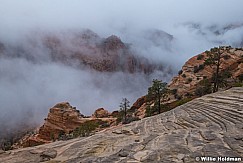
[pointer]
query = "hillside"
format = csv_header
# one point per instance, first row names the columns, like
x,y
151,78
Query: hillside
x,y
196,77
81,49
195,70
207,126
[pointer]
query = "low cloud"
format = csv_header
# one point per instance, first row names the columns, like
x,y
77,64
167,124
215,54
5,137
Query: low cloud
x,y
28,89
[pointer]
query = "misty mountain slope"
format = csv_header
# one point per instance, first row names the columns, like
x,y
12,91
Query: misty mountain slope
x,y
207,126
80,49
45,67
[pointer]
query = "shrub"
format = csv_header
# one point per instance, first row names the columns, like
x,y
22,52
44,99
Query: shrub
x,y
180,72
6,145
174,91
178,97
102,124
52,136
240,77
85,129
188,94
200,57
201,67
131,119
182,101
226,57
61,135
198,68
189,80
203,88
184,75
238,84
150,111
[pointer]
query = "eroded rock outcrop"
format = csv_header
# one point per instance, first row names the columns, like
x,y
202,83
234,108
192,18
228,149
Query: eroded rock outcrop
x,y
207,126
101,113
194,70
62,118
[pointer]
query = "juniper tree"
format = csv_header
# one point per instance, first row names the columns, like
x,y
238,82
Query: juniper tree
x,y
158,92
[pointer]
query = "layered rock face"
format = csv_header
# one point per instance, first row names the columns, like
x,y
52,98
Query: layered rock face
x,y
62,118
187,81
207,126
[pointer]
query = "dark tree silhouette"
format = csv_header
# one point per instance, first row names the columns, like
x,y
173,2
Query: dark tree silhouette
x,y
214,60
158,92
124,105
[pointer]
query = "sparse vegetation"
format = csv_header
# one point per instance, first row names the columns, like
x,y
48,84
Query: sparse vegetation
x,y
198,68
158,92
52,136
200,57
180,72
124,105
226,57
238,84
6,145
174,91
184,75
85,129
178,97
189,80
204,87
240,78
182,101
214,60
131,119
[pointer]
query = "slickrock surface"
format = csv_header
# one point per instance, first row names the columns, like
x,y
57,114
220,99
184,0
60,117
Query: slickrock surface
x,y
208,126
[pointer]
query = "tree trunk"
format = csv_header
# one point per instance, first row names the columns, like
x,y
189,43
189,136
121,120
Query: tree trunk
x,y
159,101
216,82
125,111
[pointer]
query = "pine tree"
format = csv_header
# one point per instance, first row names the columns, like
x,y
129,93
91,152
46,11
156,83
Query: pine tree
x,y
214,60
158,92
124,105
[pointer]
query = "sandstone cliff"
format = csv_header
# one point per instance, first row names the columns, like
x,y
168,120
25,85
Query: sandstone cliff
x,y
207,126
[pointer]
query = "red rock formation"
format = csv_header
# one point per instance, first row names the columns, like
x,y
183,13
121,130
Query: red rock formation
x,y
187,82
62,118
233,64
101,113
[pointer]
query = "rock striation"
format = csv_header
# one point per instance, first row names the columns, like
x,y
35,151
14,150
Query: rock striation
x,y
62,118
206,126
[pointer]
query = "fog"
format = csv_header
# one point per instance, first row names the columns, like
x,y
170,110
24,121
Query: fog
x,y
28,88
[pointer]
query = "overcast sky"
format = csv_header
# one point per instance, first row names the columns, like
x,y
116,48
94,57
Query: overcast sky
x,y
106,16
